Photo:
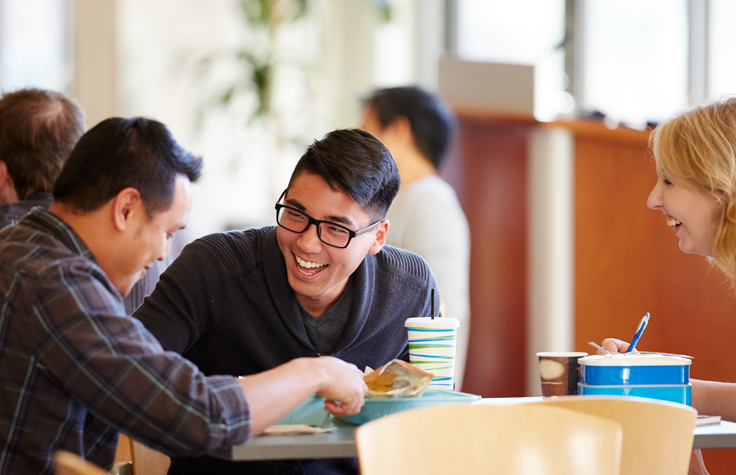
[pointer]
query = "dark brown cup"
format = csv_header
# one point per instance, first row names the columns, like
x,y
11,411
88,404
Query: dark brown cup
x,y
559,372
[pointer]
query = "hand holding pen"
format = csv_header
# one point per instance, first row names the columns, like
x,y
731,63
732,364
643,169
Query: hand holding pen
x,y
613,346
639,331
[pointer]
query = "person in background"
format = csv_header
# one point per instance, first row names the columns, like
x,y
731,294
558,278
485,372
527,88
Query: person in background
x,y
38,129
426,217
695,153
321,282
75,369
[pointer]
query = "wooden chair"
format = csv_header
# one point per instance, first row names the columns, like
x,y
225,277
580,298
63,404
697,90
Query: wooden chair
x,y
521,439
657,435
123,464
135,458
67,463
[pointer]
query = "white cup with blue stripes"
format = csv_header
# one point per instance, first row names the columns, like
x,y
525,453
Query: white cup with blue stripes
x,y
432,348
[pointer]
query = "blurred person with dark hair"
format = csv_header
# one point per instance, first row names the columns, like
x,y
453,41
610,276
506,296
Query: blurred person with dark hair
x,y
75,368
38,130
321,282
426,216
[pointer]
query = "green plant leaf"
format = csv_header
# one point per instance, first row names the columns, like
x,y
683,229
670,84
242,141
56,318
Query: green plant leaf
x,y
384,9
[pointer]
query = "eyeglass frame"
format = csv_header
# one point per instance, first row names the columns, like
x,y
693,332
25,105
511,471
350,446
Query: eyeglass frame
x,y
317,222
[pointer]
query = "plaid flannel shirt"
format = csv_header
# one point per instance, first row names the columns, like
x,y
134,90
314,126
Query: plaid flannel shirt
x,y
74,369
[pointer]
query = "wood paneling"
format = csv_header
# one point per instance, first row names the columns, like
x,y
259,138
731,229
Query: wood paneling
x,y
491,185
627,260
627,263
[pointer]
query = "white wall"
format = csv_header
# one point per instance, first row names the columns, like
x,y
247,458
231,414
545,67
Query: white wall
x,y
156,43
244,170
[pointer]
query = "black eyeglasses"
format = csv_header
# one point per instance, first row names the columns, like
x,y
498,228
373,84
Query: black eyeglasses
x,y
330,233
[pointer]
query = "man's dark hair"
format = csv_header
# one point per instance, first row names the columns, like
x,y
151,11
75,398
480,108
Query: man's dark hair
x,y
38,129
120,153
354,161
432,122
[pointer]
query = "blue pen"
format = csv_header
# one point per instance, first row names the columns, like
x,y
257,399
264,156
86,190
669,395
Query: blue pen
x,y
639,331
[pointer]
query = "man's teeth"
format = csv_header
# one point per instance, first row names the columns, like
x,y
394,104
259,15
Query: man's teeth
x,y
672,222
308,265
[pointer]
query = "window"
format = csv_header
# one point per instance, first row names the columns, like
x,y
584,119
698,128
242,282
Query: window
x,y
34,46
721,41
631,56
634,61
520,32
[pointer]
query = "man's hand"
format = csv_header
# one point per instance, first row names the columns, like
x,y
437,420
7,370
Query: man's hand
x,y
343,386
614,346
273,393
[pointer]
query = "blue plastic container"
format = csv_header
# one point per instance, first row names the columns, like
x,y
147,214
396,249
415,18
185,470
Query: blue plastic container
x,y
654,376
680,393
634,369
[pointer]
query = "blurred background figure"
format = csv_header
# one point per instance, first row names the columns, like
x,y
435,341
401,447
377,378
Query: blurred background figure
x,y
38,130
426,217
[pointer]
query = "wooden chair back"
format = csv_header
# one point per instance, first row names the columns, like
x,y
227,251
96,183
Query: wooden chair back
x,y
657,435
67,463
521,439
135,458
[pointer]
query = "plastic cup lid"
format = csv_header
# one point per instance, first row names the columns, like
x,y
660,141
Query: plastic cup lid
x,y
562,354
634,359
428,322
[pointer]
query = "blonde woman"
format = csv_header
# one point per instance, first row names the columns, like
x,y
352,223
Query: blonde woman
x,y
695,153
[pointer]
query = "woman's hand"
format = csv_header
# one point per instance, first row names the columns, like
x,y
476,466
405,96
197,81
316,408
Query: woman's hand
x,y
614,346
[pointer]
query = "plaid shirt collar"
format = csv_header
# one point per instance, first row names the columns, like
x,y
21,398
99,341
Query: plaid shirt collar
x,y
43,220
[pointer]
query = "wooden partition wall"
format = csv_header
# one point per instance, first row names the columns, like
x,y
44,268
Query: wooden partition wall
x,y
626,259
489,173
627,262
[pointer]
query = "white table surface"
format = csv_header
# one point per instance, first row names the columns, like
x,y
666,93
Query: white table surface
x,y
341,442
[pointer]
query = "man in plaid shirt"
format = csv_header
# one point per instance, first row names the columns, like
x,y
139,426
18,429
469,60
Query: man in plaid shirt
x,y
74,368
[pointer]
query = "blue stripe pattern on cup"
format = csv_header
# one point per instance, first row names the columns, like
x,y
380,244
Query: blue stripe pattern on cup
x,y
433,350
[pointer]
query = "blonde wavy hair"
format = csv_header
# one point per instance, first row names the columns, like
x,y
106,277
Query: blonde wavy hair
x,y
699,146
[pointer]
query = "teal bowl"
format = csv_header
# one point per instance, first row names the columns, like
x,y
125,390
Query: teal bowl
x,y
379,407
310,412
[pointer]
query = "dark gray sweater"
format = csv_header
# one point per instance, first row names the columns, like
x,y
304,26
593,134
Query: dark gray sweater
x,y
226,305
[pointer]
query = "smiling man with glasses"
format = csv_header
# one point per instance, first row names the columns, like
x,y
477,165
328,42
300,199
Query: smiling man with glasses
x,y
330,233
321,282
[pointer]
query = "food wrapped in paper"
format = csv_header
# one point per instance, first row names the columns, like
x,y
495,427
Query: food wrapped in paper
x,y
397,379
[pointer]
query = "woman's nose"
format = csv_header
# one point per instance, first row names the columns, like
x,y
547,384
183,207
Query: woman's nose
x,y
655,197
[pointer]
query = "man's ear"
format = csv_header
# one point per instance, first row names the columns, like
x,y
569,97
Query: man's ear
x,y
126,204
398,136
402,128
7,185
381,235
5,178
